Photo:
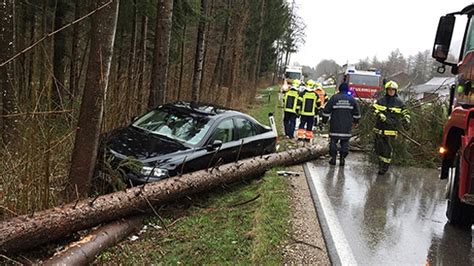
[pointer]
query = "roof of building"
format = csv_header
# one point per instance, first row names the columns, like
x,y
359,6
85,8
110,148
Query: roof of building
x,y
436,84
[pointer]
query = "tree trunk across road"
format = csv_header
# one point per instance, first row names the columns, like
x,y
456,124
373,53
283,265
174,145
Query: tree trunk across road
x,y
27,231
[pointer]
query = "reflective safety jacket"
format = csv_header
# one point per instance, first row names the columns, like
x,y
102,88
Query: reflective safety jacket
x,y
309,103
323,97
290,101
343,110
389,111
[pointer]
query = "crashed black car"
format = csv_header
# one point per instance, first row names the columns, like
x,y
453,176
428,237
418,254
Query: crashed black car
x,y
183,137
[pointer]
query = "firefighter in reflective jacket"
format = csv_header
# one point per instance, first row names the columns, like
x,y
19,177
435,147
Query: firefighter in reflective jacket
x,y
343,111
308,104
290,108
390,113
323,97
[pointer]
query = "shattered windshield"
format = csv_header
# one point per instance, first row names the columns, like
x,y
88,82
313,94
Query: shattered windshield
x,y
183,127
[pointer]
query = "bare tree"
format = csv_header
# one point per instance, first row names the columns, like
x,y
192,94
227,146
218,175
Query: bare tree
x,y
59,56
199,56
7,40
161,53
90,118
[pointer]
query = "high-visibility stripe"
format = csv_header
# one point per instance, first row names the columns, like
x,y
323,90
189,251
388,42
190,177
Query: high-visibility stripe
x,y
379,107
326,114
340,134
356,116
395,110
386,132
343,107
385,159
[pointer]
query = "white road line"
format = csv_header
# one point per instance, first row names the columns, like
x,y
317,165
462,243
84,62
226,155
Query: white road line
x,y
338,246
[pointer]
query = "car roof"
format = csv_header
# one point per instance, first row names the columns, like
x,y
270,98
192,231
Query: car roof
x,y
204,109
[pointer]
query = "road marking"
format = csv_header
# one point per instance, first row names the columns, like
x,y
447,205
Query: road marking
x,y
338,247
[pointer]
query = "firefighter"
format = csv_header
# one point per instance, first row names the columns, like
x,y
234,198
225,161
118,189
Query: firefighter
x,y
308,105
290,108
343,111
323,97
390,113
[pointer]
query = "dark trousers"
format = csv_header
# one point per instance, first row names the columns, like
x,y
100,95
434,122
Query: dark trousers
x,y
343,151
383,148
289,122
306,122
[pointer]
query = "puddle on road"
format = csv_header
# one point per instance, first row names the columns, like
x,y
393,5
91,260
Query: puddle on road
x,y
398,218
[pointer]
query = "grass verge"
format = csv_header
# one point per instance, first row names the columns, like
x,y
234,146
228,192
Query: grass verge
x,y
245,223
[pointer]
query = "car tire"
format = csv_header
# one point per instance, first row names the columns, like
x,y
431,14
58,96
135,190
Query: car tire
x,y
457,212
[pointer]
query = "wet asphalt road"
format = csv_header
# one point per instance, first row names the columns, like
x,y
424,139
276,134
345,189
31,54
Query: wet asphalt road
x,y
398,218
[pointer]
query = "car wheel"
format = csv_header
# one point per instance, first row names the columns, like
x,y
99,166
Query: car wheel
x,y
457,212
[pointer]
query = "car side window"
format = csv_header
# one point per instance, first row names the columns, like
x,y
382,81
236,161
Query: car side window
x,y
224,131
244,128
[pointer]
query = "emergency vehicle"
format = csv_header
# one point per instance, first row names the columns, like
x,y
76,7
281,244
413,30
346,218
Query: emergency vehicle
x,y
363,84
294,72
457,148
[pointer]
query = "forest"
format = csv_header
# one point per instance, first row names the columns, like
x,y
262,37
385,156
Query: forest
x,y
72,70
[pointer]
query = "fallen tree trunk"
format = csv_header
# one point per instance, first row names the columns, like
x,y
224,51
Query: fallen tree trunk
x,y
27,231
84,251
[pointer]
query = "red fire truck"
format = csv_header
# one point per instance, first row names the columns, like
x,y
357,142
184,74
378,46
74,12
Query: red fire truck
x,y
457,148
363,85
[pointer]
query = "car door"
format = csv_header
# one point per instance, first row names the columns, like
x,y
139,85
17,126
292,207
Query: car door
x,y
247,138
225,132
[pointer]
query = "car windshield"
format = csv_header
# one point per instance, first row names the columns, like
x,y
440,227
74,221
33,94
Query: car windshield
x,y
293,75
364,80
170,123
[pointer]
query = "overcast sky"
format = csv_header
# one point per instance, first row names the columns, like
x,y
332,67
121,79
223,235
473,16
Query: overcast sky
x,y
349,30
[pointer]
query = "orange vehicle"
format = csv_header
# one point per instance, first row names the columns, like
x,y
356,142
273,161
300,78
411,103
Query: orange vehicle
x,y
457,148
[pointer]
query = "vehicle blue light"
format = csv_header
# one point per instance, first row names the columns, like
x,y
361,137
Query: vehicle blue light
x,y
349,93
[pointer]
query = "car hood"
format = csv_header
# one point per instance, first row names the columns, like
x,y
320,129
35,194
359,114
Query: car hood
x,y
142,145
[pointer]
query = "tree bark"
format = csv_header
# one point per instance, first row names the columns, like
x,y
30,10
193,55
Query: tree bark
x,y
7,49
141,81
130,89
84,251
59,65
199,57
161,53
75,57
28,231
90,118
181,65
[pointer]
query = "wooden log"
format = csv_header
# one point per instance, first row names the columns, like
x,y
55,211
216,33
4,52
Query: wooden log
x,y
84,251
27,231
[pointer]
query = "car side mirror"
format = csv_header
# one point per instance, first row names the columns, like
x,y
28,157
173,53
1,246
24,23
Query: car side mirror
x,y
443,38
214,145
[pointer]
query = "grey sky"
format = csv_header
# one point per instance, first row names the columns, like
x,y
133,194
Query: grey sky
x,y
347,31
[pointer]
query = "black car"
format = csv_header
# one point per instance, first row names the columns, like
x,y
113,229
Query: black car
x,y
183,137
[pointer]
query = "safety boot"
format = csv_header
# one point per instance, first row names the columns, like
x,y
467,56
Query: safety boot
x,y
333,160
342,160
383,168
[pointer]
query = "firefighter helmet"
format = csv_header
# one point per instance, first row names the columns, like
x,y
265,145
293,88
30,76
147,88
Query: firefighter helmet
x,y
296,83
310,83
391,84
318,86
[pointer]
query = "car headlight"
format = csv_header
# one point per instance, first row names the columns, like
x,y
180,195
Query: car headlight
x,y
154,172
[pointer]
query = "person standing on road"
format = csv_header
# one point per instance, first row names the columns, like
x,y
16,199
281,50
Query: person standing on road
x,y
390,113
323,98
308,104
290,109
343,111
